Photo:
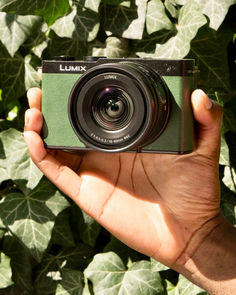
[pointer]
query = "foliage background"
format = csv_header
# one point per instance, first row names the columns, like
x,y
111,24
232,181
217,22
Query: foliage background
x,y
47,245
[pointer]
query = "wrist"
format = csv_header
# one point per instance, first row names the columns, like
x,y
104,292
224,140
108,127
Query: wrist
x,y
209,259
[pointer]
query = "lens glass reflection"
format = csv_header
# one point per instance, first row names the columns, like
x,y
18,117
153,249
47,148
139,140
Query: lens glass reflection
x,y
112,108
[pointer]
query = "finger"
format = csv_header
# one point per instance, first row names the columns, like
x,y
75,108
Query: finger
x,y
33,120
208,114
34,97
39,73
62,176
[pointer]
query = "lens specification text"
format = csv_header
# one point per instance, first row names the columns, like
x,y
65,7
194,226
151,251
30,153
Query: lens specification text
x,y
109,141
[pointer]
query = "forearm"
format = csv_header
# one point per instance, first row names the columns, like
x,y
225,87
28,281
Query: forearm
x,y
212,265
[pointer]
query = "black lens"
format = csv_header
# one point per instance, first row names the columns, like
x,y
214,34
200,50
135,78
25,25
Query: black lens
x,y
112,108
119,107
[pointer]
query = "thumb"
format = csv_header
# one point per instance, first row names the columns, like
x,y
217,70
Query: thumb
x,y
208,115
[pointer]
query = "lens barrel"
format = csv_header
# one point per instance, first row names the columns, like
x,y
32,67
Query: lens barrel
x,y
118,107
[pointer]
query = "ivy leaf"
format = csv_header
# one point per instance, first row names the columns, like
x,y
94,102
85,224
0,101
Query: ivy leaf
x,y
29,218
157,266
62,234
52,10
71,284
123,251
148,43
229,178
5,271
81,24
49,9
181,2
50,271
216,10
171,7
109,275
228,201
31,77
189,21
88,229
114,48
16,163
12,75
184,287
65,46
21,263
85,227
126,22
92,4
156,18
15,29
209,49
224,152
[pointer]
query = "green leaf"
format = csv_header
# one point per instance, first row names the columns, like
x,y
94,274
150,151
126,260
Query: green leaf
x,y
123,251
5,271
109,276
52,10
16,163
126,22
87,228
21,263
189,21
62,233
229,118
171,7
86,290
71,284
92,4
65,46
156,18
12,75
49,9
81,24
114,48
15,29
31,77
184,287
157,266
29,216
50,271
229,178
216,10
148,43
210,51
224,152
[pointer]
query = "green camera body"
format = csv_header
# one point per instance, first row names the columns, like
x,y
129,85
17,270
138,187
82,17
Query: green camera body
x,y
117,105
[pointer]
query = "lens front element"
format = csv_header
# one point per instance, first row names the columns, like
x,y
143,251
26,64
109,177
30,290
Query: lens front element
x,y
118,107
112,108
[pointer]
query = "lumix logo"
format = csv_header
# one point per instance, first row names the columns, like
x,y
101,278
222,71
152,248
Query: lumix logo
x,y
64,68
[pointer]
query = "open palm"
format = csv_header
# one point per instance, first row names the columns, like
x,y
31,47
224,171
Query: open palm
x,y
154,203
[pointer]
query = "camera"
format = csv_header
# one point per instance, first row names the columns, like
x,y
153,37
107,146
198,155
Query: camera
x,y
118,105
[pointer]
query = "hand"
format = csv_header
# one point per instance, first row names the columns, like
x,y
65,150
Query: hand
x,y
160,205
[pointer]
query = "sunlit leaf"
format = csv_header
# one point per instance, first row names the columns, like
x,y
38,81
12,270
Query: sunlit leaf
x,y
30,218
109,275
189,21
5,271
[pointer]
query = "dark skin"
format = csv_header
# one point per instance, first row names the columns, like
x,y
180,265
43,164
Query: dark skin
x,y
165,206
153,203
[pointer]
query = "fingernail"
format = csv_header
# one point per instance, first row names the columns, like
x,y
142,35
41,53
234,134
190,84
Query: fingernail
x,y
208,103
26,118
